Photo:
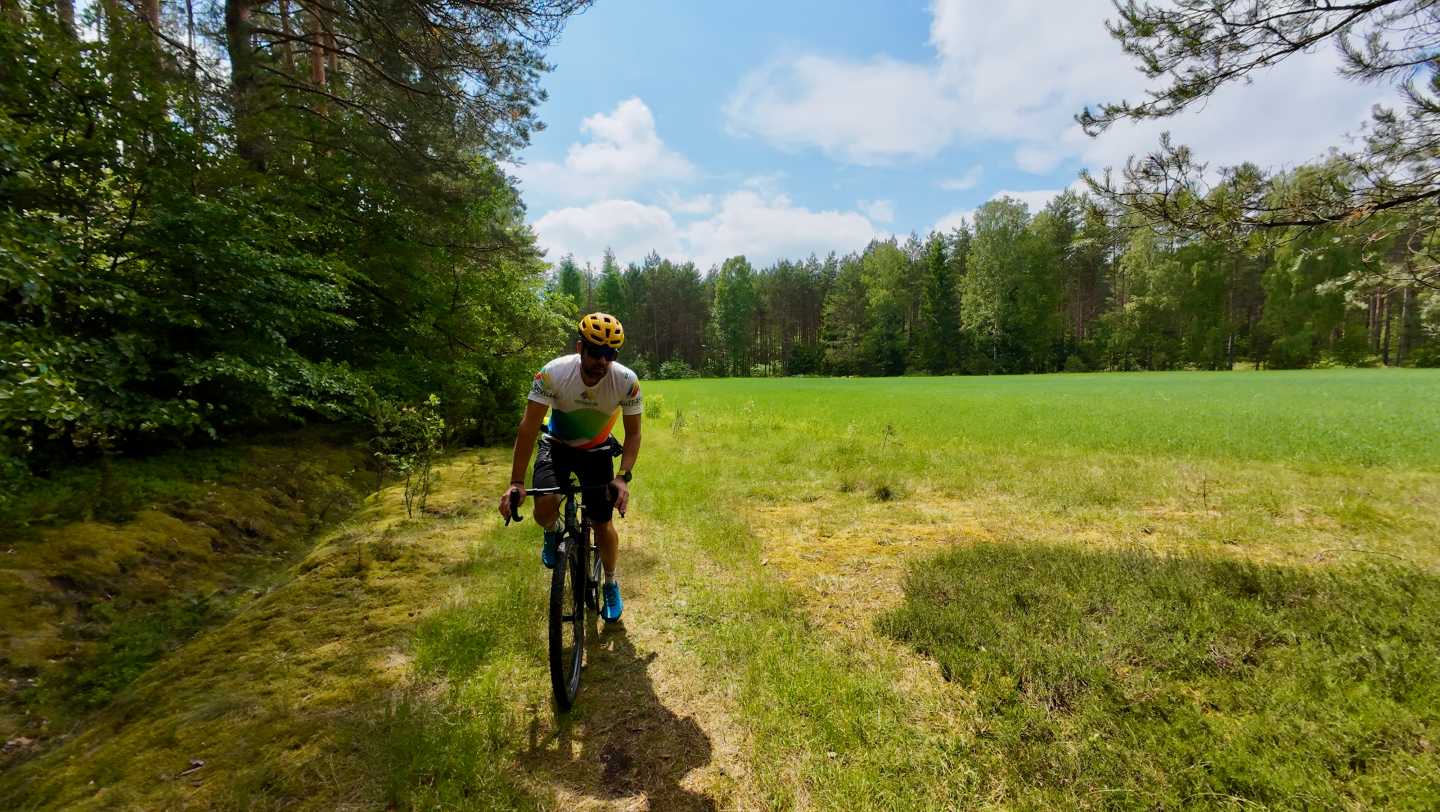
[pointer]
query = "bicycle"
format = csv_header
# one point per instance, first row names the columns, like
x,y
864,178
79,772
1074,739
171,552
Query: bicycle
x,y
577,561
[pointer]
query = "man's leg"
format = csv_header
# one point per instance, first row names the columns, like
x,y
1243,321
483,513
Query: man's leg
x,y
607,539
549,472
547,509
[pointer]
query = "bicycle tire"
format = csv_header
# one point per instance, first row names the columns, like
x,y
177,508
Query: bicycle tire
x,y
567,591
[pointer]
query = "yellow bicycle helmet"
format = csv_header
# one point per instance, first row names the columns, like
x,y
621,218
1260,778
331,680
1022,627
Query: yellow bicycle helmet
x,y
603,329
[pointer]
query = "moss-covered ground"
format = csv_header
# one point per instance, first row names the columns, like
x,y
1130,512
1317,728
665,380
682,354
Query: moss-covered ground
x,y
101,575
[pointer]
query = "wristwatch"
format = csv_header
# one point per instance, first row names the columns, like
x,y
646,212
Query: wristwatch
x,y
624,475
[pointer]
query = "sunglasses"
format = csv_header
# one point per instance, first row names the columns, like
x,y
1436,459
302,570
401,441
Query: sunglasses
x,y
599,351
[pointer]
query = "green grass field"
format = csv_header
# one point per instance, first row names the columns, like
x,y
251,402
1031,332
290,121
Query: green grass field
x,y
1108,590
1183,590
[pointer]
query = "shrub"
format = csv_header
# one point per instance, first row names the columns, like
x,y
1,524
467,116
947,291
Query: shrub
x,y
641,367
407,440
675,369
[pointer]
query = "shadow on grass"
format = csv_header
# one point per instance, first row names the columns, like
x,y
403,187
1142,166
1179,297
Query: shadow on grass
x,y
620,740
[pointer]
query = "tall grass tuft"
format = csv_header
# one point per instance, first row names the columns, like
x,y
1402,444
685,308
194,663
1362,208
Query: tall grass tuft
x,y
1168,681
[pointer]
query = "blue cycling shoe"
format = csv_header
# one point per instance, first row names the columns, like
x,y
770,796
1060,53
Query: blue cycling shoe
x,y
547,549
613,605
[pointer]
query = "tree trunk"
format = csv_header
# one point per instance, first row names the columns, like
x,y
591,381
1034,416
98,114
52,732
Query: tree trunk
x,y
1373,322
65,9
15,13
113,21
149,11
1409,318
287,47
317,48
1407,336
196,110
244,82
1385,339
160,60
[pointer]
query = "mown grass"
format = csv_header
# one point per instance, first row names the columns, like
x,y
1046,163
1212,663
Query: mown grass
x,y
1157,681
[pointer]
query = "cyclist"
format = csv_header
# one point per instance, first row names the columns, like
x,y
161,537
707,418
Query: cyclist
x,y
584,393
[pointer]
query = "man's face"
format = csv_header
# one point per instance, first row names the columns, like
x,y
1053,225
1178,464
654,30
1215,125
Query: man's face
x,y
594,360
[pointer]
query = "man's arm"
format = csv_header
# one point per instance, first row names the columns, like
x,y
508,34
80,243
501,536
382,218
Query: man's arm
x,y
525,438
627,461
632,442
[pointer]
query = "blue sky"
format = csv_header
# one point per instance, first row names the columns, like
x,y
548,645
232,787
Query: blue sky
x,y
781,128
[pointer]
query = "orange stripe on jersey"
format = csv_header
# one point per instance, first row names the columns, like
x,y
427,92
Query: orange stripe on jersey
x,y
604,434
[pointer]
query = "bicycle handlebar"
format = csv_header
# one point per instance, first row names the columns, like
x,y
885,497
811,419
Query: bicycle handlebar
x,y
566,490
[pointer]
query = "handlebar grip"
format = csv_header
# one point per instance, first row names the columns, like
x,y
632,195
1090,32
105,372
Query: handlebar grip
x,y
613,492
514,508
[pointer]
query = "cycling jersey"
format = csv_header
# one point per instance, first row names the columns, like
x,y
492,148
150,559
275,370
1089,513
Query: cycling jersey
x,y
583,416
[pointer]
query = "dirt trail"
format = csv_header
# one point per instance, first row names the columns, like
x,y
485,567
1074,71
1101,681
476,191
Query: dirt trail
x,y
648,730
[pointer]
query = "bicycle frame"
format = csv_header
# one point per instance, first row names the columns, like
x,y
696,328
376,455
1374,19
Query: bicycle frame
x,y
578,529
577,562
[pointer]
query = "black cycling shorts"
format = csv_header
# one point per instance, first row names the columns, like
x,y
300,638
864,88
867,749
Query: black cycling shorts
x,y
555,461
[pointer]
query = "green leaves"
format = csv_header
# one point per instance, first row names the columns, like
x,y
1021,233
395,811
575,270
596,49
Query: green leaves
x,y
154,287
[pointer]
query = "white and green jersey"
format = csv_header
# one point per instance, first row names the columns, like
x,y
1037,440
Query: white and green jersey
x,y
583,416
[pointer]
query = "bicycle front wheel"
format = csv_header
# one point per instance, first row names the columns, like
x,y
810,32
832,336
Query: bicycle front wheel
x,y
567,622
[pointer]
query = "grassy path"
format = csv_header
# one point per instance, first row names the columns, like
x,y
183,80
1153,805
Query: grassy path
x,y
401,665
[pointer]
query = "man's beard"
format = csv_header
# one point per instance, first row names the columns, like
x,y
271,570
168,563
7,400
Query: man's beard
x,y
593,372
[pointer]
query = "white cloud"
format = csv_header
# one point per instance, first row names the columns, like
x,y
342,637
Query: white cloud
x,y
881,211
767,184
1034,200
867,113
631,229
700,204
1026,66
1016,73
624,153
969,180
1038,159
954,220
1291,114
764,227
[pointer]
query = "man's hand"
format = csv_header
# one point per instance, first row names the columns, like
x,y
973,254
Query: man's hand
x,y
505,500
622,494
